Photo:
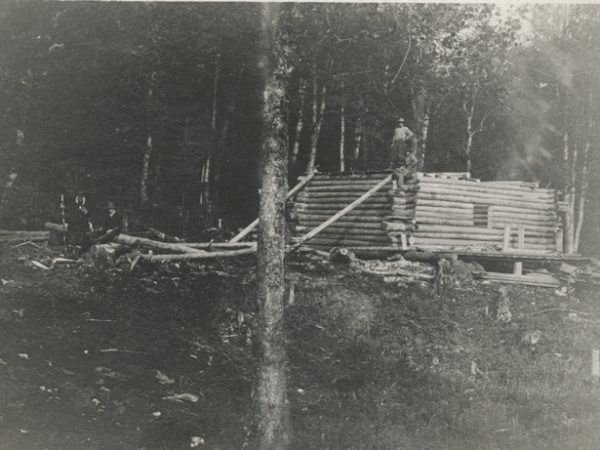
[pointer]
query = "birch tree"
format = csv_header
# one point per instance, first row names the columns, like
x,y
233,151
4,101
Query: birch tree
x,y
271,377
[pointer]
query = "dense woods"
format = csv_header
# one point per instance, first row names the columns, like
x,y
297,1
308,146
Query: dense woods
x,y
158,107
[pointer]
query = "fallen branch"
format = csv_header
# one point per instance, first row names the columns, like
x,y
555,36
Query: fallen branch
x,y
26,243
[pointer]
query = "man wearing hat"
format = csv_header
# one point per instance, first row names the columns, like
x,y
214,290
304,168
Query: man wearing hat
x,y
79,222
400,150
110,224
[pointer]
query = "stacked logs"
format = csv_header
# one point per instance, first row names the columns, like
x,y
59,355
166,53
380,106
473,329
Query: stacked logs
x,y
429,211
468,213
402,222
326,195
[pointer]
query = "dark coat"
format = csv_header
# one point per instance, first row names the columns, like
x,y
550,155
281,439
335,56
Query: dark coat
x,y
111,223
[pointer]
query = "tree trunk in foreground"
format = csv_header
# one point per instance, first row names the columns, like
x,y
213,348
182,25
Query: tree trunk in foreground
x,y
271,377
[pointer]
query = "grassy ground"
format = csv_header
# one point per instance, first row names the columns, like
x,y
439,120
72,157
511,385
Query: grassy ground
x,y
371,365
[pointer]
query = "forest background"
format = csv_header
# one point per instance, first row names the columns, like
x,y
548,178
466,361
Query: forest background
x,y
157,106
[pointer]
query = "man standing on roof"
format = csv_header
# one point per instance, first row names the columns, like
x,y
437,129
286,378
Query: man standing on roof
x,y
400,148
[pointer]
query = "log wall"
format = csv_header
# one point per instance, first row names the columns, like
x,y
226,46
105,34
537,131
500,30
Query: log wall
x,y
429,211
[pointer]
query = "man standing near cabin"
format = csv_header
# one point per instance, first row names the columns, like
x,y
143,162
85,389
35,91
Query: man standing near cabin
x,y
400,148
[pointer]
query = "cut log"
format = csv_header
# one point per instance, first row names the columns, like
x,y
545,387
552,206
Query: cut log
x,y
398,226
457,222
378,210
58,227
199,254
443,211
469,229
336,197
377,176
350,219
450,197
458,243
482,188
367,226
529,279
483,200
217,245
516,185
342,242
513,210
356,234
25,236
310,190
371,237
22,233
338,205
444,203
484,197
157,245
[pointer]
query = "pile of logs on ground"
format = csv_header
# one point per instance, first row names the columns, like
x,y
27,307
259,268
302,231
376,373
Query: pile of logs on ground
x,y
182,251
142,248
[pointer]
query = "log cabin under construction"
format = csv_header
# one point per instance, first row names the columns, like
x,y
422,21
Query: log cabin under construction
x,y
426,211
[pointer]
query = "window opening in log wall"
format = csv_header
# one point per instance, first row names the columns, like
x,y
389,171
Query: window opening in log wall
x,y
480,212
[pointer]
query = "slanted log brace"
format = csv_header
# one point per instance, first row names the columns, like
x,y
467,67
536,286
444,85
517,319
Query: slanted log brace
x,y
253,225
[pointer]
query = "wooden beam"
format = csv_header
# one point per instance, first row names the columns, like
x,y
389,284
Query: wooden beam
x,y
254,224
200,254
134,241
